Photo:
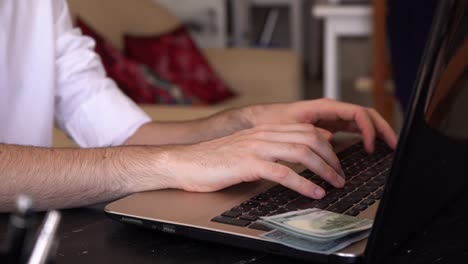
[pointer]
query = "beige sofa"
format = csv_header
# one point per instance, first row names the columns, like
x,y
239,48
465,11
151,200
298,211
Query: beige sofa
x,y
257,76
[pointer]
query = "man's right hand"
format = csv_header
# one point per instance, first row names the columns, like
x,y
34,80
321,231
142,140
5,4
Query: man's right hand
x,y
251,155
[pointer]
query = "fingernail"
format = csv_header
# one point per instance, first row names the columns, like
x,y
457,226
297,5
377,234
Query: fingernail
x,y
319,193
342,180
339,179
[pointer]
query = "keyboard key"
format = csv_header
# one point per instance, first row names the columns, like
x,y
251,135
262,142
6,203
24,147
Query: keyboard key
x,y
249,217
352,212
260,198
361,207
290,194
259,213
379,193
330,199
349,188
249,204
339,192
367,189
351,199
326,186
230,221
278,200
339,207
365,174
232,214
260,226
368,202
321,205
375,183
241,209
267,207
302,203
282,210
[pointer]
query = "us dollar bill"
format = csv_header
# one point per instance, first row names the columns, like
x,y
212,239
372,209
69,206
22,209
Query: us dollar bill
x,y
323,247
318,224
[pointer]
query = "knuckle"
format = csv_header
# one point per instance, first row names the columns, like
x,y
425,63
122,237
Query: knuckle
x,y
325,169
310,127
264,127
313,139
261,127
258,134
306,185
361,110
253,144
372,110
281,173
302,150
330,172
307,125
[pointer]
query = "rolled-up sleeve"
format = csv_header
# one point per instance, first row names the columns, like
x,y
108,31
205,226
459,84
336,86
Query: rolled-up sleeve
x,y
88,106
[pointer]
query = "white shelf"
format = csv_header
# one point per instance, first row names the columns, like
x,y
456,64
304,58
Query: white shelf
x,y
199,12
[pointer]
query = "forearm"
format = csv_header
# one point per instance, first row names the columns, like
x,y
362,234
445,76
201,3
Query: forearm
x,y
195,131
63,178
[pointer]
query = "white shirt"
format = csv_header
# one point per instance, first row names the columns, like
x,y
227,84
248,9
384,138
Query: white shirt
x,y
49,71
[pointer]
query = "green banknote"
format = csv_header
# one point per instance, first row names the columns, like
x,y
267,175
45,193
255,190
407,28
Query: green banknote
x,y
324,247
318,224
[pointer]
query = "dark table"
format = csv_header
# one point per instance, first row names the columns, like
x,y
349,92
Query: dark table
x,y
88,236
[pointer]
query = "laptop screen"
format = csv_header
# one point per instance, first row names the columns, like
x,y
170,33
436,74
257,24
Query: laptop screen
x,y
423,214
447,107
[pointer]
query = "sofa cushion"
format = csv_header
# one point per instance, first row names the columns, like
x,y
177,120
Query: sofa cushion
x,y
175,57
139,82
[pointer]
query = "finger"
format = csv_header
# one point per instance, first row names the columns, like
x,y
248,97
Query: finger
x,y
286,127
383,128
314,141
339,111
325,133
365,124
297,153
288,178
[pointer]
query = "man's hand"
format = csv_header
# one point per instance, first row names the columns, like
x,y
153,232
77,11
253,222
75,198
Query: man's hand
x,y
251,155
329,115
295,133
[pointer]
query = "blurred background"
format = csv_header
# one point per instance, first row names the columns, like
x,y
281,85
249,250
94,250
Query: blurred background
x,y
188,58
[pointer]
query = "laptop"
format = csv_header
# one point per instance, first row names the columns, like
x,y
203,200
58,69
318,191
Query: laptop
x,y
402,191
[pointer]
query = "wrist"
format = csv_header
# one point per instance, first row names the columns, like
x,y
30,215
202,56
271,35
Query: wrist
x,y
244,117
147,169
253,114
226,123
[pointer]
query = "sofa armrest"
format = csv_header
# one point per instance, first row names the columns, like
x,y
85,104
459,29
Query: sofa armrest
x,y
179,113
156,112
267,75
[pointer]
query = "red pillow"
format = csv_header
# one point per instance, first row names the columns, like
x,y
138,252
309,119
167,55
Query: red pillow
x,y
175,57
132,78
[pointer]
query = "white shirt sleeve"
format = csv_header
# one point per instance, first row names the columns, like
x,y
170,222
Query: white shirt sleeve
x,y
88,106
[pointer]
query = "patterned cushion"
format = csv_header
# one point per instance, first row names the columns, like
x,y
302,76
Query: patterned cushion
x,y
175,57
137,81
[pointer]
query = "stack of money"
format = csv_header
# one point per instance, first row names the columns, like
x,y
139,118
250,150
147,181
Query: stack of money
x,y
316,230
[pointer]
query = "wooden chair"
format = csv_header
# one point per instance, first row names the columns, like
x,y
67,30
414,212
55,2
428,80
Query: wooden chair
x,y
383,100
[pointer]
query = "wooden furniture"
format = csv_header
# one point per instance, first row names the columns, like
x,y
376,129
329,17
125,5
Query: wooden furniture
x,y
383,99
256,75
352,21
339,21
242,27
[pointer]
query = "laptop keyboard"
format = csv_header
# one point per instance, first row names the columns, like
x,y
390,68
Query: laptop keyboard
x,y
365,179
